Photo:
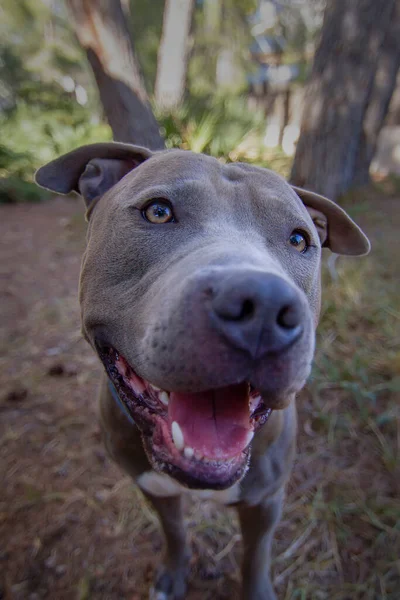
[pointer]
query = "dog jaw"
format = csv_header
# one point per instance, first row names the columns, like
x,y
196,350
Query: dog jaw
x,y
202,439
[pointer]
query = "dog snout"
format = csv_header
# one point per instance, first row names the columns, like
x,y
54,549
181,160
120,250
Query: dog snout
x,y
259,313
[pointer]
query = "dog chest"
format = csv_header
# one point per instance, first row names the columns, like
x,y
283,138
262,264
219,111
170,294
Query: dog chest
x,y
162,485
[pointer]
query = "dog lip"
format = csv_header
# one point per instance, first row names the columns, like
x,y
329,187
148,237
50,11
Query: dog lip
x,y
101,344
194,466
206,474
108,353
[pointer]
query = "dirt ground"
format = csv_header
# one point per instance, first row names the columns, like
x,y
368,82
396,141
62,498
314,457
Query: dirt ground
x,y
72,526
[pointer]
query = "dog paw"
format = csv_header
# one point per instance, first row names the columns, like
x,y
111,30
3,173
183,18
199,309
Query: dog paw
x,y
157,595
169,586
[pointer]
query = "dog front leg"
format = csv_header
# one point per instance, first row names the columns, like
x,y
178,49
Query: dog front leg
x,y
258,524
170,580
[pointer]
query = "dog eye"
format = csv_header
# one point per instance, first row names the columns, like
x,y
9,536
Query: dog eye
x,y
158,212
298,240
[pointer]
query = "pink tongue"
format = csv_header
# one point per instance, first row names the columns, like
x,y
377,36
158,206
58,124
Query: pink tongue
x,y
215,423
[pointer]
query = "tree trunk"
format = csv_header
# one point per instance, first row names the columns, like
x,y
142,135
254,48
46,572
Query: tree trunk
x,y
285,99
378,105
173,53
102,31
341,89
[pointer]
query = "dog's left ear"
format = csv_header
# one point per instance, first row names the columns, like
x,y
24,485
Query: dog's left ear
x,y
91,170
336,230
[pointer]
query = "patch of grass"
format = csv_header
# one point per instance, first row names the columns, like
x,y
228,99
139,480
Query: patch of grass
x,y
350,425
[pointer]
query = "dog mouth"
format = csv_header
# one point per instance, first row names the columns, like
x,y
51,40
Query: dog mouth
x,y
202,439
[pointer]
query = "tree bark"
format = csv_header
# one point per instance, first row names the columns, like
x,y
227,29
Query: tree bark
x,y
101,29
343,88
173,53
379,101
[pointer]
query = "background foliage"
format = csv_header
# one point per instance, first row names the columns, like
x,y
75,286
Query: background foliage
x,y
49,102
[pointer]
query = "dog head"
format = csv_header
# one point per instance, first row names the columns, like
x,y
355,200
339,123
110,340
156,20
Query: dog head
x,y
200,292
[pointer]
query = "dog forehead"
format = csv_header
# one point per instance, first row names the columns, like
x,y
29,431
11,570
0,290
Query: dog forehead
x,y
173,168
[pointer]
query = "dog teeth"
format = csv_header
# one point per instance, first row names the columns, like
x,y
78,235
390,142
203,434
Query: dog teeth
x,y
188,452
177,436
254,402
121,367
164,398
249,437
155,388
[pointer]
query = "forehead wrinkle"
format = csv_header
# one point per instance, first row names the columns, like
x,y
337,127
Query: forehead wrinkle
x,y
280,193
301,208
257,205
173,168
185,162
177,190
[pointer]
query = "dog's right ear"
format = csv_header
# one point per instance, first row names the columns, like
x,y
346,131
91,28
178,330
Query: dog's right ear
x,y
335,228
91,170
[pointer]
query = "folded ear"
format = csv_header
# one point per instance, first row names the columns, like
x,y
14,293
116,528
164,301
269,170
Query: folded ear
x,y
91,170
336,229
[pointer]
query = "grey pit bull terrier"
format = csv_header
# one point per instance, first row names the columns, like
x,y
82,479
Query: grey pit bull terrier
x,y
200,293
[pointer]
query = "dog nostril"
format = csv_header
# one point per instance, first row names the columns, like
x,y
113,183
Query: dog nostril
x,y
235,311
248,310
288,317
209,292
242,312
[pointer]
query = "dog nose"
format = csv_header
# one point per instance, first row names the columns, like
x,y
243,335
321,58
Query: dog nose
x,y
258,313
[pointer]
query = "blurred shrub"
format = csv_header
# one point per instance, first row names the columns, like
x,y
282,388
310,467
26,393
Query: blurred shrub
x,y
225,128
215,126
31,136
41,116
37,132
13,187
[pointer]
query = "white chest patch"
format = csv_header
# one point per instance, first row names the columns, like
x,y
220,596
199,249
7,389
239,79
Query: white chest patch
x,y
162,485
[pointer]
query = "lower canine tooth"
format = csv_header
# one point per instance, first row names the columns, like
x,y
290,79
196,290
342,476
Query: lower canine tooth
x,y
188,452
250,436
164,398
177,436
254,401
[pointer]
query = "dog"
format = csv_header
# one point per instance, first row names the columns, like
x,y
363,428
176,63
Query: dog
x,y
200,293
